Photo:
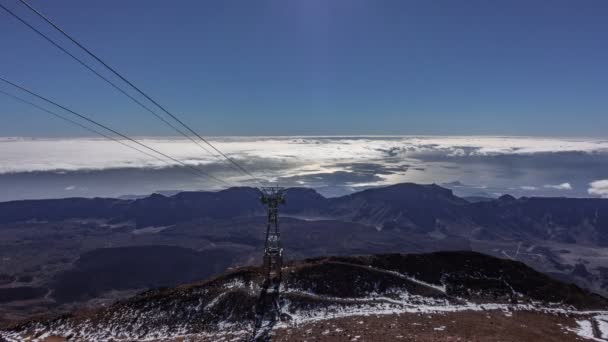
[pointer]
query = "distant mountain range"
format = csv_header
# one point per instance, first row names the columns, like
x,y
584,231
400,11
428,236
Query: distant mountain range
x,y
405,207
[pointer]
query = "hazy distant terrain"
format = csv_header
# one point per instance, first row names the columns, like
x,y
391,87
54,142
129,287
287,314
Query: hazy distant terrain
x,y
60,253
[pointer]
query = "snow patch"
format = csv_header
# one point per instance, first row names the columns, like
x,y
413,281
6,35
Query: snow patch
x,y
585,330
602,324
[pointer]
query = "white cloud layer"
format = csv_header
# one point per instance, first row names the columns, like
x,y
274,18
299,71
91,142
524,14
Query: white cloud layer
x,y
562,186
475,166
599,188
25,154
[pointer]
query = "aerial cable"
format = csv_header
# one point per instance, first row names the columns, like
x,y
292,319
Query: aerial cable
x,y
232,161
105,79
74,122
197,170
115,132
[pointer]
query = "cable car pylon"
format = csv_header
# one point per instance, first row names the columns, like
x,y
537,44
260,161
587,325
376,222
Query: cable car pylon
x,y
273,197
268,308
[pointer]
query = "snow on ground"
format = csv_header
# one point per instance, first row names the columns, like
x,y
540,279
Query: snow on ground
x,y
602,322
590,324
585,329
342,307
594,328
440,288
227,334
406,304
235,284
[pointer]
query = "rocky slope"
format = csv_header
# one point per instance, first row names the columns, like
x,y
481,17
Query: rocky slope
x,y
321,293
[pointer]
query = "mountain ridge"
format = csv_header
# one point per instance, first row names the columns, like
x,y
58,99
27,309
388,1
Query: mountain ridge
x,y
321,289
406,207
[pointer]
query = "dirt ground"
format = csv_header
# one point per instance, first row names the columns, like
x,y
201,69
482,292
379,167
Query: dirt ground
x,y
487,326
463,326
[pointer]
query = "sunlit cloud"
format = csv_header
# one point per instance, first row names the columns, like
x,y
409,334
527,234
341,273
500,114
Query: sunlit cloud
x,y
24,154
562,186
471,166
599,188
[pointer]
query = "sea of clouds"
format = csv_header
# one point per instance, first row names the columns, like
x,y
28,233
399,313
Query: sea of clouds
x,y
470,165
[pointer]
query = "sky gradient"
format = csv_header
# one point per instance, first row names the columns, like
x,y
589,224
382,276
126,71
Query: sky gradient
x,y
321,67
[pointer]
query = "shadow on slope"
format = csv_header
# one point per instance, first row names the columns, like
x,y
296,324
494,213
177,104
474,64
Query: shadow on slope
x,y
124,268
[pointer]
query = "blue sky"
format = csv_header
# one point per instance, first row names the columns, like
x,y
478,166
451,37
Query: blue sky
x,y
285,67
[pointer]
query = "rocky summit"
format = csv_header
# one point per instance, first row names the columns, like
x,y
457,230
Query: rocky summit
x,y
443,296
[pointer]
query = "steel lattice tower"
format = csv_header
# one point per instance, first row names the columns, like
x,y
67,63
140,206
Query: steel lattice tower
x,y
268,308
272,197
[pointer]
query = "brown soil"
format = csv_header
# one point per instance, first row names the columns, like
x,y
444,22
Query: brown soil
x,y
488,326
462,326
